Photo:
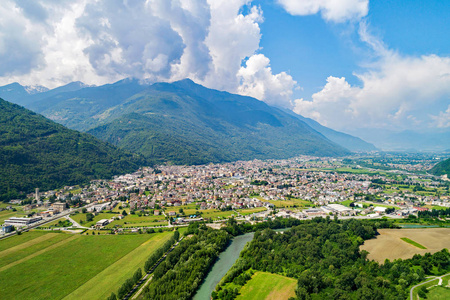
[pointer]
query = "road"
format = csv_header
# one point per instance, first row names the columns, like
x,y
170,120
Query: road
x,y
43,222
438,277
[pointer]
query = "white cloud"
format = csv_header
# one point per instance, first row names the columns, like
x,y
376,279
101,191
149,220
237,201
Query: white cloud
x,y
331,10
50,42
442,120
258,81
396,92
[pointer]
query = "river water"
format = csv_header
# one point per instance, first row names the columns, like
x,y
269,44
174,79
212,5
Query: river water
x,y
224,262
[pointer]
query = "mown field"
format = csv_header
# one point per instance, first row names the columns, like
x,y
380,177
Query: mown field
x,y
250,211
41,265
139,221
268,286
111,278
389,243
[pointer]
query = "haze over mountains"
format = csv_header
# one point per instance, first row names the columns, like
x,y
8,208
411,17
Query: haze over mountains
x,y
184,122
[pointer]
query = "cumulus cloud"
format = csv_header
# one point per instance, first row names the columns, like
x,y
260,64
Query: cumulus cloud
x,y
258,81
396,92
50,42
330,10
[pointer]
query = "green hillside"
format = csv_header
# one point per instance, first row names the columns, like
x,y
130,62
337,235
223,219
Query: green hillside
x,y
186,123
38,153
441,168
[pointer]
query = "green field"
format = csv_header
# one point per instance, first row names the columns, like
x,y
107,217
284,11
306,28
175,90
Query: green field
x,y
81,218
58,264
136,221
415,244
268,286
249,211
20,239
439,293
216,214
290,203
111,278
22,251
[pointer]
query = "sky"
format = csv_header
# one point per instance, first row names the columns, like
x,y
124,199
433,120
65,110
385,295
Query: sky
x,y
344,63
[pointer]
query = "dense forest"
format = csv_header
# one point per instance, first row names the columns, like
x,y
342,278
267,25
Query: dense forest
x,y
181,273
324,256
38,153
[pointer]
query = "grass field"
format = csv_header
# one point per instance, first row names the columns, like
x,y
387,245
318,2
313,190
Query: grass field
x,y
20,239
216,214
269,287
82,217
21,251
136,221
415,244
249,211
55,270
111,278
389,244
290,203
438,293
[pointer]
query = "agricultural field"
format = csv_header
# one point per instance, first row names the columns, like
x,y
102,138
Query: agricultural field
x,y
249,211
139,221
299,203
42,265
389,243
216,214
111,278
268,286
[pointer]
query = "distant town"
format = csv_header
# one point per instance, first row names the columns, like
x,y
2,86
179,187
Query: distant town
x,y
165,196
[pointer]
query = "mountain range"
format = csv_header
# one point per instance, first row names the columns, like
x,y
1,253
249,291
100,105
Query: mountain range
x,y
37,152
183,122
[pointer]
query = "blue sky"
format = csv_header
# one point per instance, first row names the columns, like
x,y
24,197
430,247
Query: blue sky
x,y
311,49
347,64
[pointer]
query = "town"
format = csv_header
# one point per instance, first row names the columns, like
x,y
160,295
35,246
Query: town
x,y
164,196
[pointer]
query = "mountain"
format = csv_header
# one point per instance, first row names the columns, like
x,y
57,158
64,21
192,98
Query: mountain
x,y
82,109
441,168
348,141
25,95
38,153
183,122
14,92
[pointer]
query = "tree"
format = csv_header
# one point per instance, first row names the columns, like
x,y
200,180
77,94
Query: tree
x,y
89,217
84,210
124,213
112,297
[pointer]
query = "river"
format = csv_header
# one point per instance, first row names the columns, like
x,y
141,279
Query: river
x,y
224,262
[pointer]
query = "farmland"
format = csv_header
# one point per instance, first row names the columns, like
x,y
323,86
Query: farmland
x,y
389,244
139,221
268,286
52,266
110,279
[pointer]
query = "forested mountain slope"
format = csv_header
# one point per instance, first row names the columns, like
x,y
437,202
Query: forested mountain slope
x,y
38,153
